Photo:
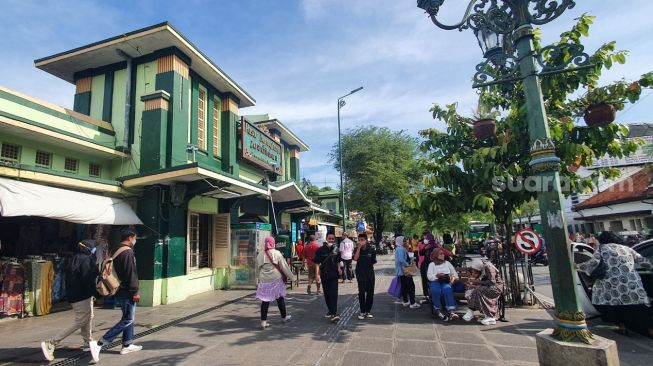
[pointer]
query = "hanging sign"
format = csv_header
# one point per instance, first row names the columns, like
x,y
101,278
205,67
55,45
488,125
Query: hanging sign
x,y
528,241
260,149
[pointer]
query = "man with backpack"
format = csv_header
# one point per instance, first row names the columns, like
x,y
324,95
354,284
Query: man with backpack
x,y
124,264
80,274
329,260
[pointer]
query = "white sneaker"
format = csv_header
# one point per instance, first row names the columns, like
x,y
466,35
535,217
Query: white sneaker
x,y
287,318
405,304
361,316
369,316
48,350
129,349
264,324
488,321
415,306
469,315
95,350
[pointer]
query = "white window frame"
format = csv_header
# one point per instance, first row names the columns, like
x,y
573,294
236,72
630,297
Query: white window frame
x,y
202,114
195,238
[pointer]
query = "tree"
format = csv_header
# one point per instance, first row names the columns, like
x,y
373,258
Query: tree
x,y
528,209
378,165
493,175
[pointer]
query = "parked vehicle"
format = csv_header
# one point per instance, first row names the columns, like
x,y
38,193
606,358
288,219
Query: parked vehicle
x,y
583,252
540,258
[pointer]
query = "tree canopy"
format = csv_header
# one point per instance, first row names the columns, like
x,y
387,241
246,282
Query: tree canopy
x,y
466,174
378,165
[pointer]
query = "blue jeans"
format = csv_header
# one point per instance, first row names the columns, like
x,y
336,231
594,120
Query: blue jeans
x,y
437,290
125,325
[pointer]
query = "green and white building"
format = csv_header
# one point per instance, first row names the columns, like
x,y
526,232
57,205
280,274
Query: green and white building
x,y
156,125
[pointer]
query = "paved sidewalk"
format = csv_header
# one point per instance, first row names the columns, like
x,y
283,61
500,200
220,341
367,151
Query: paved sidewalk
x,y
228,335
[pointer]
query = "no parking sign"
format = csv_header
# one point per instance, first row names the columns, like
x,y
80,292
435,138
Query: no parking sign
x,y
528,241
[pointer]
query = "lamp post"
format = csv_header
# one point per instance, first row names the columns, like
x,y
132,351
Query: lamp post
x,y
504,30
341,103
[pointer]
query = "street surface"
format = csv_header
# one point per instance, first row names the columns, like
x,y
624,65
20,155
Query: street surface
x,y
221,328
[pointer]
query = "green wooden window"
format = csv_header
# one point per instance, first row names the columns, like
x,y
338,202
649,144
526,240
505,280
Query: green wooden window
x,y
10,153
43,159
216,127
201,120
94,170
71,165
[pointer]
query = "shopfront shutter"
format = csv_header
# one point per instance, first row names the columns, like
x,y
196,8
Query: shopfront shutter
x,y
221,238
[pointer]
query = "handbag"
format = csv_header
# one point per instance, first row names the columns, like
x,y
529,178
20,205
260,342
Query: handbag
x,y
395,287
410,270
283,275
444,279
601,269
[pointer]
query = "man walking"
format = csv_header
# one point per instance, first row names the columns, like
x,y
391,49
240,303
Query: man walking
x,y
365,258
313,268
80,274
127,296
329,260
346,253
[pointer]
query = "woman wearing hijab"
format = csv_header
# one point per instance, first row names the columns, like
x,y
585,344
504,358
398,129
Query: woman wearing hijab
x,y
273,269
425,249
486,287
619,296
402,260
441,275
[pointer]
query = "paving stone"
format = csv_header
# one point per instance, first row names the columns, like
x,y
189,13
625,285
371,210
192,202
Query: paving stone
x,y
470,352
510,339
405,360
419,348
464,362
371,344
356,358
461,337
518,353
424,334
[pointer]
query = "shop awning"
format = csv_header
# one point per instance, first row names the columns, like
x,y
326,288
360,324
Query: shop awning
x,y
292,198
28,199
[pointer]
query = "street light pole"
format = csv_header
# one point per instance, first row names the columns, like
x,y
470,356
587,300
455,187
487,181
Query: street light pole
x,y
495,24
341,103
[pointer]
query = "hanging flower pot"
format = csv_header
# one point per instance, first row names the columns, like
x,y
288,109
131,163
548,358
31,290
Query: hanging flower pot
x,y
485,128
599,115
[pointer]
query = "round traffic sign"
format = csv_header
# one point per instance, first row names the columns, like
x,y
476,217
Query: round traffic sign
x,y
528,241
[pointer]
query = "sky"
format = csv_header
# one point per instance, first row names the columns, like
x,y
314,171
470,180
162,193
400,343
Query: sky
x,y
297,57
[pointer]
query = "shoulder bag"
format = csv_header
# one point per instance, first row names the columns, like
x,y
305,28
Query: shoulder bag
x,y
283,275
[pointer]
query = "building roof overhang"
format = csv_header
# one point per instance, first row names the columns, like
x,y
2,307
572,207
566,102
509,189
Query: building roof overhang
x,y
286,135
138,43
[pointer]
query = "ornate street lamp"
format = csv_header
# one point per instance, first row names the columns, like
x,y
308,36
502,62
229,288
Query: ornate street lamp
x,y
341,103
504,30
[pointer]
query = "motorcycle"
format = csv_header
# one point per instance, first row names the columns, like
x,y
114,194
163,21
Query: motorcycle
x,y
540,258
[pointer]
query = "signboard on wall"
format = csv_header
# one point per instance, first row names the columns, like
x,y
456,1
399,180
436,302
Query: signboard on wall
x,y
260,149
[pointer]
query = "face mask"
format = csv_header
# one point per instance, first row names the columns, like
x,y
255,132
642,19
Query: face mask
x,y
426,241
93,250
133,241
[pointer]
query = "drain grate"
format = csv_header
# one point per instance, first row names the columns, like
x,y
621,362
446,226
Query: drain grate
x,y
73,359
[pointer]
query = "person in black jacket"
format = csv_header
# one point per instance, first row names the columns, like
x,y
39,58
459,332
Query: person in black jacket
x,y
127,297
329,260
365,258
81,272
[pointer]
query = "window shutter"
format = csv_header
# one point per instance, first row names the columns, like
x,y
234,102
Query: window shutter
x,y
221,239
216,128
201,120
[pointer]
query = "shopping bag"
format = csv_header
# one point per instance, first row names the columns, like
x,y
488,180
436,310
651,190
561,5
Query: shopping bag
x,y
395,287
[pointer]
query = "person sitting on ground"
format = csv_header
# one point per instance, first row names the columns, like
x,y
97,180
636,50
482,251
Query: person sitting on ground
x,y
272,267
620,296
486,291
441,275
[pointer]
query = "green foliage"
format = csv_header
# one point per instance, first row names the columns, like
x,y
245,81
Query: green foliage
x,y
463,172
378,165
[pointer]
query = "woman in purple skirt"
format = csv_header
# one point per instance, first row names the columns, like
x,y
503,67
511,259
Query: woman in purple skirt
x,y
272,269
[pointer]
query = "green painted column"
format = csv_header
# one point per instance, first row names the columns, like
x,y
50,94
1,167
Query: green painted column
x,y
174,258
155,122
294,163
229,135
148,249
82,101
173,77
546,165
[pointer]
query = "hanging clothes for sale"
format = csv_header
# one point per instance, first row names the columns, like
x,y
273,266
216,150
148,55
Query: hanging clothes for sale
x,y
30,265
43,293
11,293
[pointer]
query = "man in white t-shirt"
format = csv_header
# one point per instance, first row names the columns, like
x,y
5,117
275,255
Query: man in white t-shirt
x,y
346,254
